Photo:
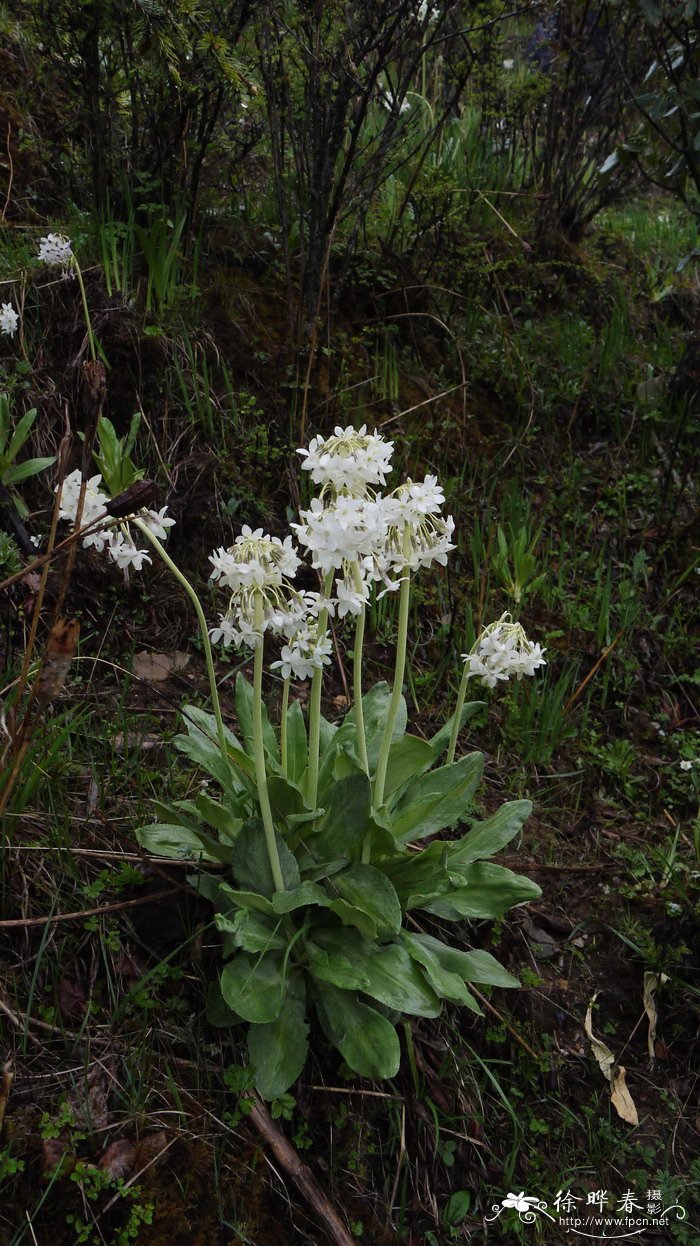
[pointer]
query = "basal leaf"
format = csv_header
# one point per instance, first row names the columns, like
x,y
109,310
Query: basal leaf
x,y
217,1010
172,840
254,986
366,1040
441,739
370,891
251,865
488,892
441,798
445,982
472,966
244,712
251,931
278,1049
487,838
343,825
407,757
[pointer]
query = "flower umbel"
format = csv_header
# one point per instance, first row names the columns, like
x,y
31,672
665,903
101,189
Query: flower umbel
x,y
8,319
502,651
116,539
349,461
55,249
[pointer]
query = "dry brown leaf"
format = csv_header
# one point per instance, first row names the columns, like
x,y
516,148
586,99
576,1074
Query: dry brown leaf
x,y
89,1100
60,651
603,1054
622,1099
150,1147
119,1160
156,667
652,981
71,998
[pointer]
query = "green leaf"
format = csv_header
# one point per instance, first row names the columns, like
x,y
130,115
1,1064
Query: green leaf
x,y
254,986
278,1050
488,892
343,825
472,966
420,876
201,745
408,756
386,972
446,983
251,931
217,815
23,428
231,898
287,800
375,707
170,840
251,864
22,471
217,1010
307,894
367,1042
370,891
487,838
437,799
296,742
244,712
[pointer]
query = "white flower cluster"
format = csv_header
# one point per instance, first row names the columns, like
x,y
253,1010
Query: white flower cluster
x,y
349,461
259,569
117,539
354,536
503,650
54,249
8,319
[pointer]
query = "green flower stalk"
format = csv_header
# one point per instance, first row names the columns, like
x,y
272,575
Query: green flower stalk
x,y
357,676
259,750
208,656
399,669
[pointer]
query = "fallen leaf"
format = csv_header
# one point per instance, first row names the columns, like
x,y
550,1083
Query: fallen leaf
x,y
119,1160
652,982
150,1147
156,667
89,1100
603,1054
622,1099
60,650
71,998
57,1151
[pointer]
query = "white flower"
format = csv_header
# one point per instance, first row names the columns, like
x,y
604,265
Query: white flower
x,y
348,530
503,650
158,522
350,600
508,64
123,551
8,319
55,249
417,534
117,540
348,461
686,765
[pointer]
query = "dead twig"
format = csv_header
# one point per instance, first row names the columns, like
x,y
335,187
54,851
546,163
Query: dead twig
x,y
299,1172
18,922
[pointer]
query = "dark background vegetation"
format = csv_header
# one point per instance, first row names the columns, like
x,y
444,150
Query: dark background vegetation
x,y
477,230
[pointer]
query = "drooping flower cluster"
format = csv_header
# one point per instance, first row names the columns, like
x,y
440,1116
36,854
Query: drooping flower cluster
x,y
8,319
54,249
503,651
117,539
258,570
